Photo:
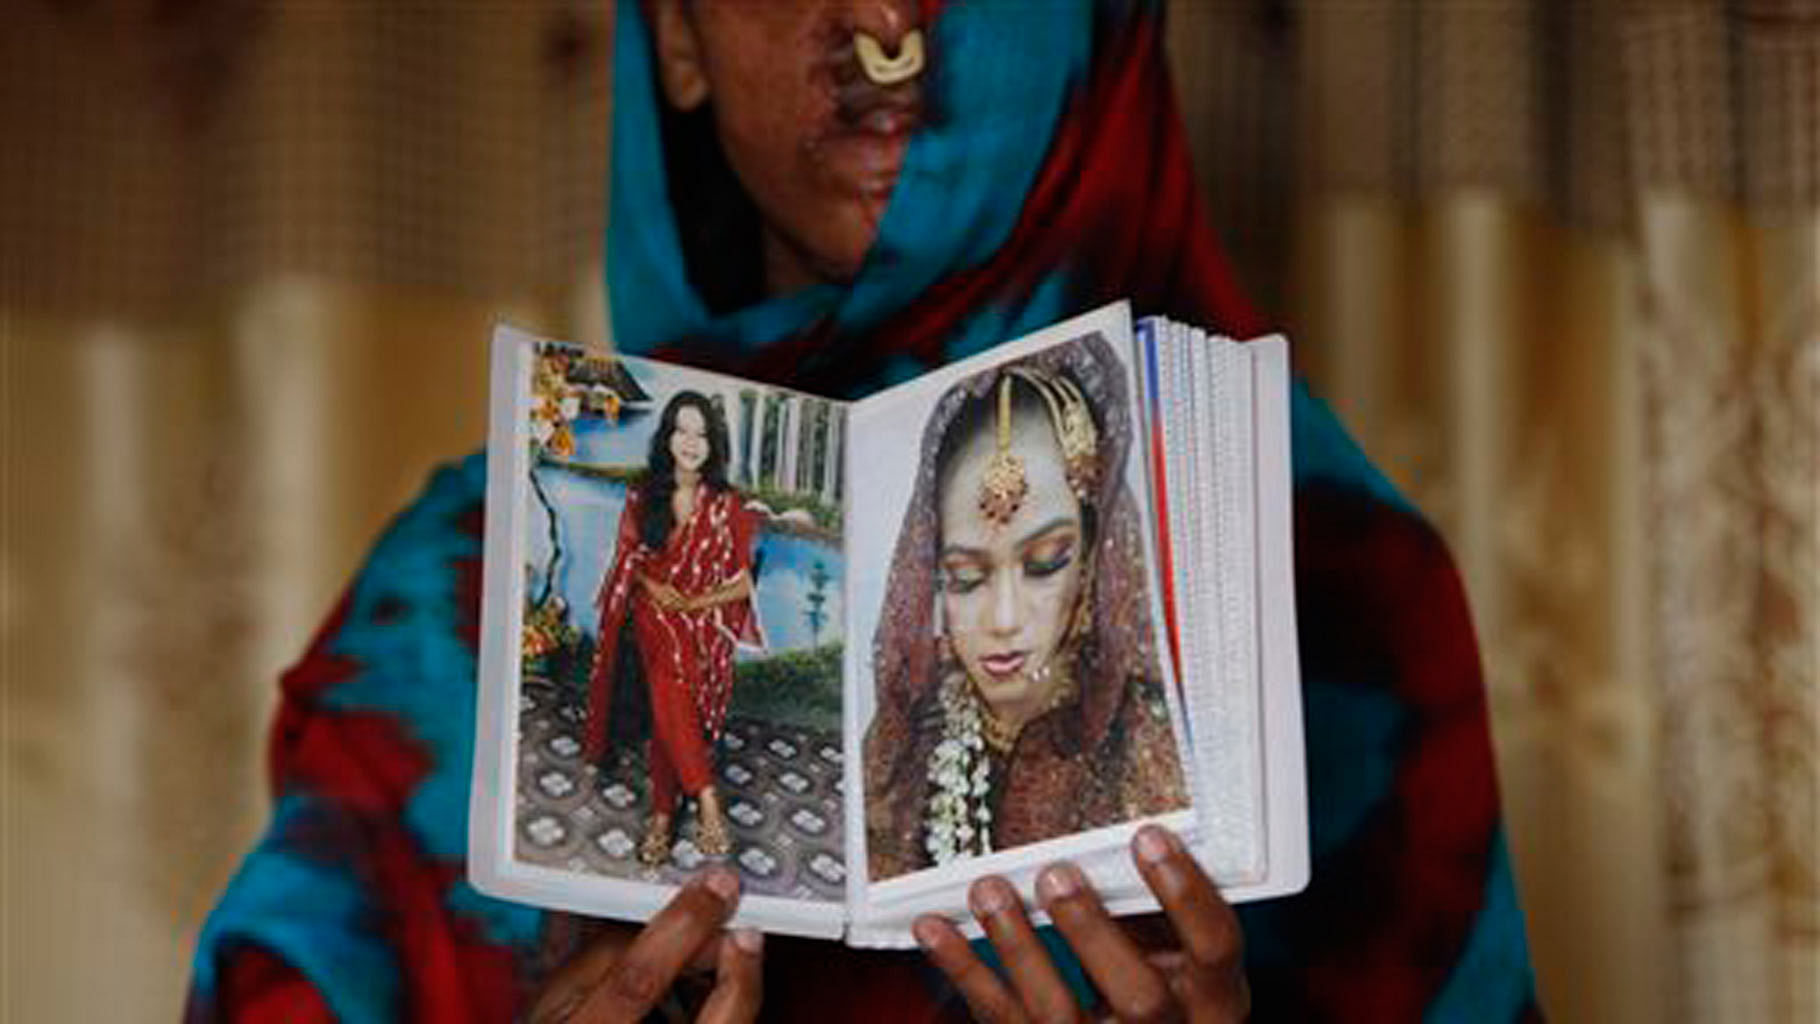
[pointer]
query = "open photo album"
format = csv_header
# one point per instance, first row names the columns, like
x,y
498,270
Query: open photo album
x,y
865,652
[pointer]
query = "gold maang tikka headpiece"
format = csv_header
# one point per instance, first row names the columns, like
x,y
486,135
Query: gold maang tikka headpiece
x,y
1002,486
883,70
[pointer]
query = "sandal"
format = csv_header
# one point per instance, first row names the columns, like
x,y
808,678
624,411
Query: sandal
x,y
711,836
654,849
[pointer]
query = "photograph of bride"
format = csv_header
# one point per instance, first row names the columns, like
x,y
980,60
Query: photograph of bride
x,y
1019,691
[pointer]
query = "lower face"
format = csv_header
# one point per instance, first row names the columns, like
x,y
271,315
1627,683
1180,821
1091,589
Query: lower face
x,y
816,146
1009,589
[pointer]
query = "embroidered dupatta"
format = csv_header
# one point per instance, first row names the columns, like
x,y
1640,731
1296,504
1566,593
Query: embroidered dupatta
x,y
710,549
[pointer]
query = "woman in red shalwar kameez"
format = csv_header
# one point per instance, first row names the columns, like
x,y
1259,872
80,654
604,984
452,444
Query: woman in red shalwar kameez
x,y
682,569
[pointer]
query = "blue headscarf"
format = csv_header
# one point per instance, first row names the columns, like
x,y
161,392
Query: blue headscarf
x,y
957,199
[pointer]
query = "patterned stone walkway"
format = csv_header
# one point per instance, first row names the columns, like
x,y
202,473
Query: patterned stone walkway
x,y
781,786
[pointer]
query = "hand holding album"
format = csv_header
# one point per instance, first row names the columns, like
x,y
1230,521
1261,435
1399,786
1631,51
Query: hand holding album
x,y
1001,615
1195,973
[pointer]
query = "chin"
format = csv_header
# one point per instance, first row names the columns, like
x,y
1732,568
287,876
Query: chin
x,y
995,692
838,255
841,264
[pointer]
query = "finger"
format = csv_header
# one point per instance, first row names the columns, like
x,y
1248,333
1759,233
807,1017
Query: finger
x,y
739,980
1135,990
706,959
1212,996
1212,974
985,994
1033,975
637,980
590,966
566,987
1205,924
1206,993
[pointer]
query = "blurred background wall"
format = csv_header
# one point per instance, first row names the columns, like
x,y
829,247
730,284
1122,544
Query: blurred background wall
x,y
1556,262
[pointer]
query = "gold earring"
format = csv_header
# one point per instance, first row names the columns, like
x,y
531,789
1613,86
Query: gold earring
x,y
1003,486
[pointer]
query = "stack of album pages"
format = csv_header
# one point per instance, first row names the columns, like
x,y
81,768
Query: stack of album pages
x,y
865,652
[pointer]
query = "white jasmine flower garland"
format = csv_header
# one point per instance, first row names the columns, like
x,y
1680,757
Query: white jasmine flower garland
x,y
959,820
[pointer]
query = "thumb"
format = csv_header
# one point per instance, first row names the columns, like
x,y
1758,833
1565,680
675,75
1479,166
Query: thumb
x,y
739,980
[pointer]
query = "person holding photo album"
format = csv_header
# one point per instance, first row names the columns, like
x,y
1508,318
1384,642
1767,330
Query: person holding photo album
x,y
839,194
1020,697
682,577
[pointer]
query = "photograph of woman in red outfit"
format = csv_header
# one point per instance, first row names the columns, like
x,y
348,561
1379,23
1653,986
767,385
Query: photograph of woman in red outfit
x,y
682,576
678,694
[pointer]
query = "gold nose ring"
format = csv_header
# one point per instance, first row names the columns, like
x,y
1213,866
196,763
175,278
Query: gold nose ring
x,y
883,70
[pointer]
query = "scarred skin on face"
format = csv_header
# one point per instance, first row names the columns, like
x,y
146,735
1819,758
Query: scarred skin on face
x,y
816,145
1009,589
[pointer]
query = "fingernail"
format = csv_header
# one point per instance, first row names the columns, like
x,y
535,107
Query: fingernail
x,y
991,896
927,932
1058,882
722,883
1153,844
751,941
